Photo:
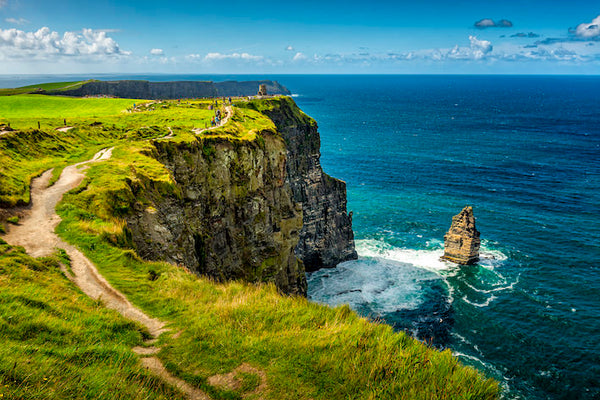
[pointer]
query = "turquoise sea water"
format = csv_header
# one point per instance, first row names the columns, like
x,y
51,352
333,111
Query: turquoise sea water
x,y
525,153
414,150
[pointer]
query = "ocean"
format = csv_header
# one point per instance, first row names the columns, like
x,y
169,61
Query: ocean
x,y
524,152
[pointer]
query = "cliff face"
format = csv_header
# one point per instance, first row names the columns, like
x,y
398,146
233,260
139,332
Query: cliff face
x,y
326,238
257,210
234,217
172,90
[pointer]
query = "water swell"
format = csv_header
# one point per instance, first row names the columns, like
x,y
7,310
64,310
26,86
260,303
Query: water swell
x,y
411,289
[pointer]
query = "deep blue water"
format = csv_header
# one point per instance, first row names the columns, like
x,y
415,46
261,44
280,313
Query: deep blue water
x,y
525,153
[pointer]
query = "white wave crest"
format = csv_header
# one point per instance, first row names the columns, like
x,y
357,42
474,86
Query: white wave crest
x,y
427,259
480,305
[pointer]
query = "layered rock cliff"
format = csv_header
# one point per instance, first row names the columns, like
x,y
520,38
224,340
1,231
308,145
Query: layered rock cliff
x,y
131,89
251,210
326,238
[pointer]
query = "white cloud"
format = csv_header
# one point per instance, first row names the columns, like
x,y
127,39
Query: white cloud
x,y
20,21
45,44
157,52
485,23
299,57
289,48
490,23
193,57
589,30
480,48
232,56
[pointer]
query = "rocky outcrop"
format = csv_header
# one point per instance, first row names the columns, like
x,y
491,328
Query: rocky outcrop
x,y
326,238
256,210
131,89
461,243
231,217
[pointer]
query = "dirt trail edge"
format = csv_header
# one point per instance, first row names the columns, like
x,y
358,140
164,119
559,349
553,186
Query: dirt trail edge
x,y
35,233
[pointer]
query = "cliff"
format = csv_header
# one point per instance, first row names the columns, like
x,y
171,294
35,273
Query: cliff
x,y
326,238
259,210
132,89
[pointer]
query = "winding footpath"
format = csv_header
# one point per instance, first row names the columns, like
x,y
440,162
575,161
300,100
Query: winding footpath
x,y
228,111
35,233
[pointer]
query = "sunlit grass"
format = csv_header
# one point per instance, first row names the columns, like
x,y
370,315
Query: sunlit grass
x,y
308,351
56,343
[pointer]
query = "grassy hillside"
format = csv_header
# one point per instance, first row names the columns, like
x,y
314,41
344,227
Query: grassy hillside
x,y
53,87
57,343
96,123
305,350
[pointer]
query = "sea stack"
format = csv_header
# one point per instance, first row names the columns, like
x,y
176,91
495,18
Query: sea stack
x,y
461,243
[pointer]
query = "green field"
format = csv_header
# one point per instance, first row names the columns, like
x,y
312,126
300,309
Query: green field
x,y
96,123
53,87
306,350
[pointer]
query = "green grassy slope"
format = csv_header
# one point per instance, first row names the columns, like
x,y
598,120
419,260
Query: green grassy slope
x,y
97,123
53,87
307,351
56,343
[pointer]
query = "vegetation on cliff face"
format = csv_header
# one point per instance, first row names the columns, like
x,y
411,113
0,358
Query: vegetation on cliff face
x,y
306,350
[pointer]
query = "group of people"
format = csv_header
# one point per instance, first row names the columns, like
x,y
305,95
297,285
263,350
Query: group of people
x,y
216,120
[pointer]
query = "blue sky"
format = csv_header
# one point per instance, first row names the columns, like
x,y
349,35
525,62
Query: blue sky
x,y
108,36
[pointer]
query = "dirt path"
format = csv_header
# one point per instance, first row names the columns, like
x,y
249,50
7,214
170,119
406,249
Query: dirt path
x,y
35,232
228,110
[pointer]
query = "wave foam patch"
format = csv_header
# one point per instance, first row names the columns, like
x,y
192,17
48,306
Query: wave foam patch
x,y
376,286
428,259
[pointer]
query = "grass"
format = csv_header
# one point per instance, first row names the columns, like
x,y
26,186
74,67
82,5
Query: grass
x,y
308,351
97,123
25,111
59,344
53,87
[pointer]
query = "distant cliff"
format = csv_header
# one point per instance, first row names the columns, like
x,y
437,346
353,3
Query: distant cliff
x,y
260,210
172,90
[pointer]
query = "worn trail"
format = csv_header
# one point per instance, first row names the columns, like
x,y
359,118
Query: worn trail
x,y
35,233
229,113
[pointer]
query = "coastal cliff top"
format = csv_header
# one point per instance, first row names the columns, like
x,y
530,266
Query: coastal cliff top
x,y
296,349
141,89
38,132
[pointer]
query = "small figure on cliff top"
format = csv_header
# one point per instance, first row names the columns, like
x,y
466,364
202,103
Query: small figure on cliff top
x,y
461,243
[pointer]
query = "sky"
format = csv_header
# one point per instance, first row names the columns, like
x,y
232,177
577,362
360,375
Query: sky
x,y
265,36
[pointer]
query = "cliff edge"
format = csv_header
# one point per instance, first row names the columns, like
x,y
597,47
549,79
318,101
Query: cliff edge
x,y
326,238
139,89
260,210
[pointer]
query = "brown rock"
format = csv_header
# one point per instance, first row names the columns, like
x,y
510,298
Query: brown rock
x,y
461,243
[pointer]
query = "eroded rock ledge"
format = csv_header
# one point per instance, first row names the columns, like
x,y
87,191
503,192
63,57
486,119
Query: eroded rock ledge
x,y
138,89
261,210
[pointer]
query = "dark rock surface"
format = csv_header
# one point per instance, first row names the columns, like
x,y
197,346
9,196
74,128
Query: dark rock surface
x,y
326,238
256,210
232,218
173,90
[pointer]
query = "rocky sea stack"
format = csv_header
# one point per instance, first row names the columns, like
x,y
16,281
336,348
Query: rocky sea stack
x,y
461,242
